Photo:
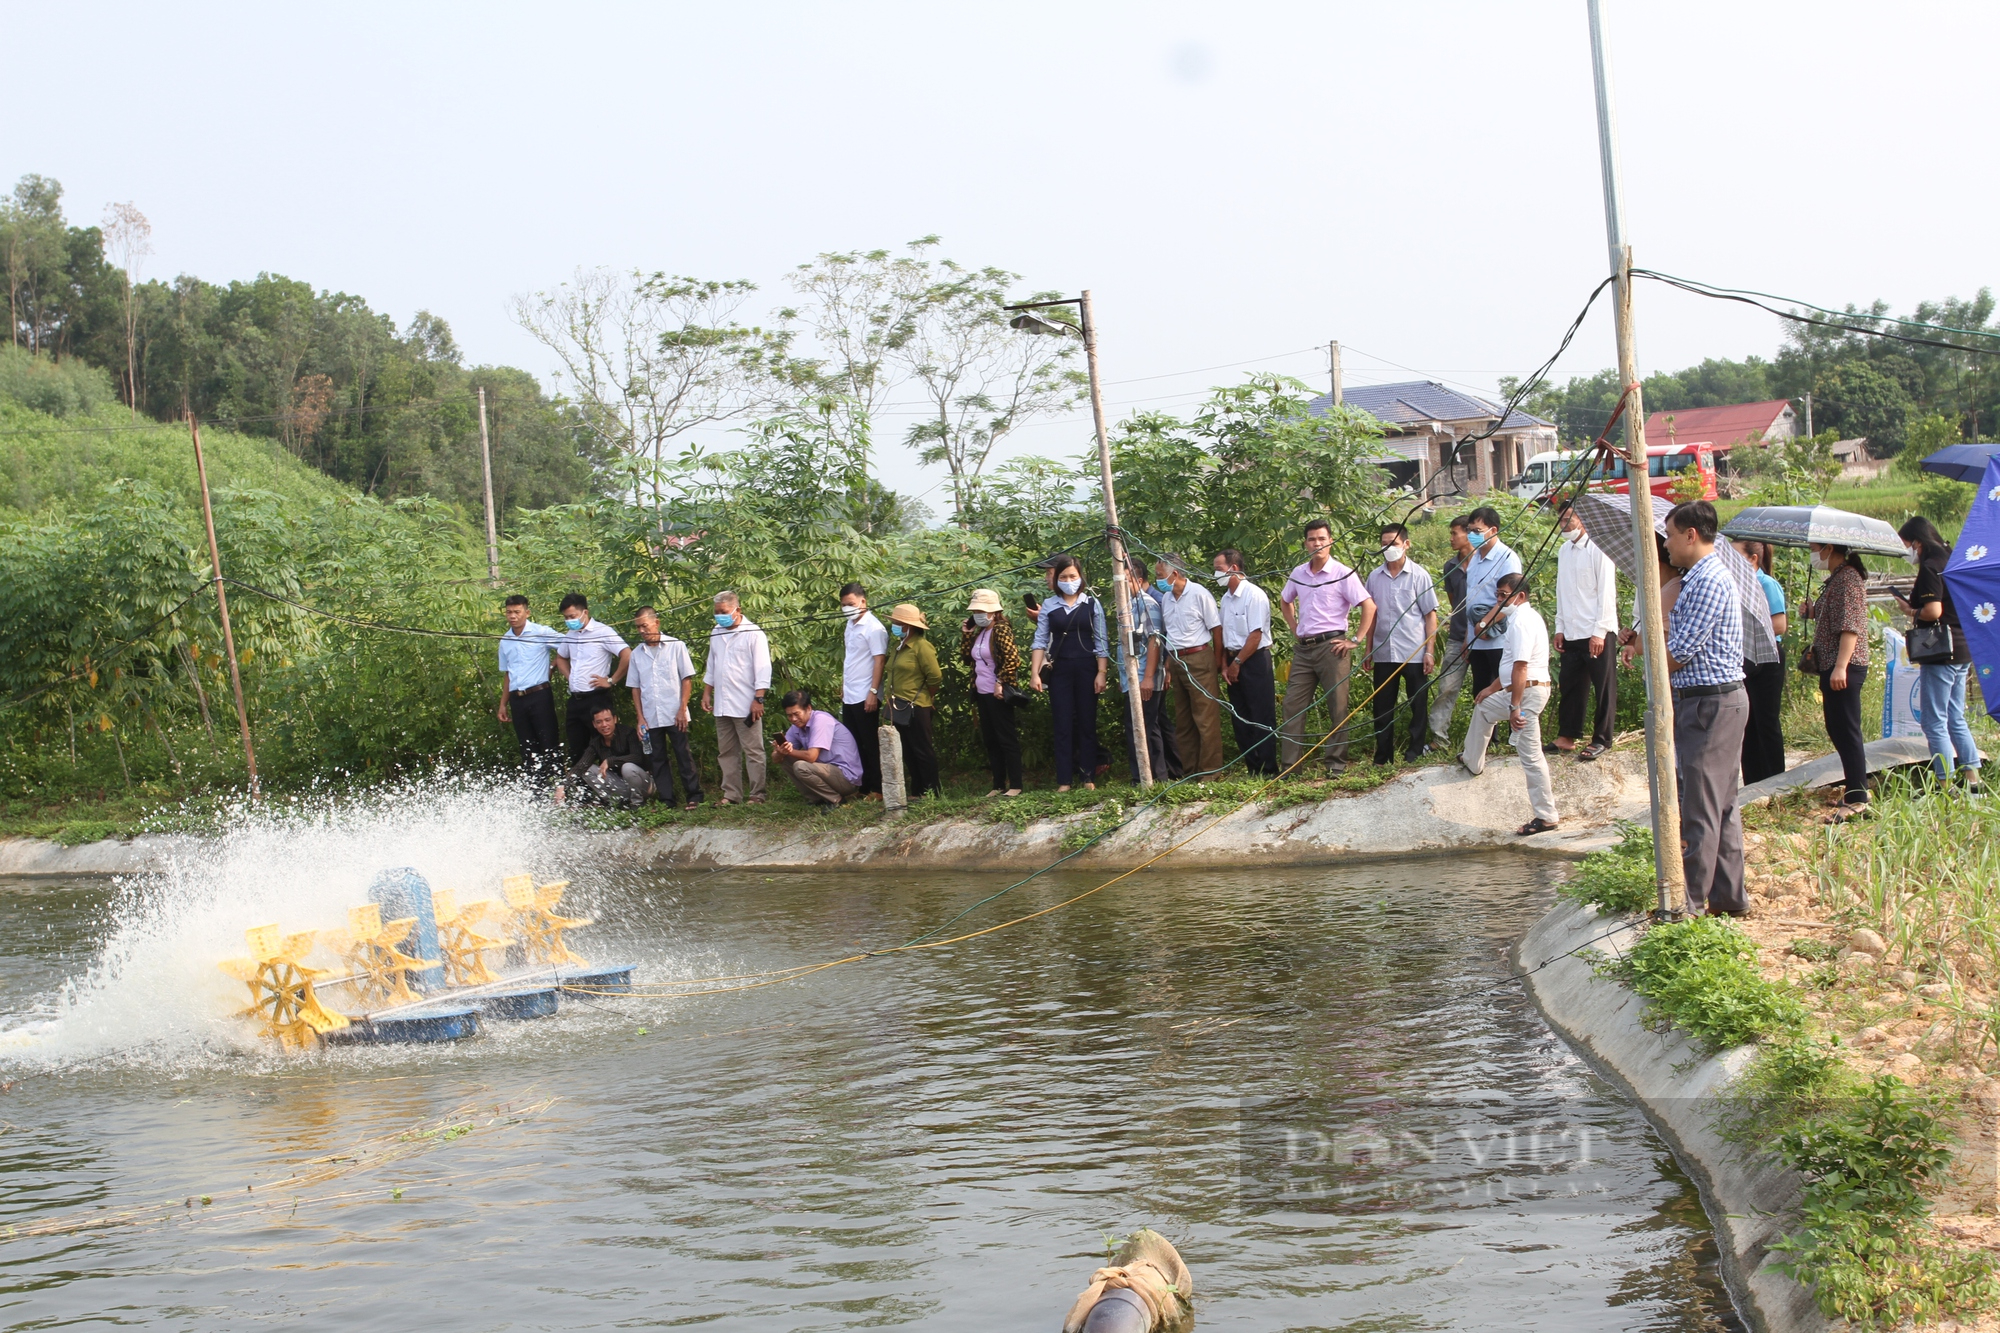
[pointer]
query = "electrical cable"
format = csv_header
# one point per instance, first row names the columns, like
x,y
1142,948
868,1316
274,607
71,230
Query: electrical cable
x,y
1751,299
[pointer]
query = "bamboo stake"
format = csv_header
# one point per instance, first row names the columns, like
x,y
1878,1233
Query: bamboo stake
x,y
222,604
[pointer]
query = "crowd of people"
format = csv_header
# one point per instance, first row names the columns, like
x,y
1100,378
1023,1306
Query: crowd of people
x,y
1193,655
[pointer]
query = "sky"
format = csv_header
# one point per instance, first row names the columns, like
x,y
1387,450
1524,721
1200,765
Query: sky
x,y
1237,185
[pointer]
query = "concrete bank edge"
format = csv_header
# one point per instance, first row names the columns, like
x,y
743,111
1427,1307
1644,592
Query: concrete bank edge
x,y
1671,1081
1424,811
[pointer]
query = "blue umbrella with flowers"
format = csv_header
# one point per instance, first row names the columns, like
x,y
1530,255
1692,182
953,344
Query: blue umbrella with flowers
x,y
1973,578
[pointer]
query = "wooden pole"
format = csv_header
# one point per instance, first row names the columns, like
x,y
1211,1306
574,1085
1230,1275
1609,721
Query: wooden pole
x,y
486,464
222,604
1661,769
1121,581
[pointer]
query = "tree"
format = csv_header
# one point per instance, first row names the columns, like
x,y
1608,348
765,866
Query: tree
x,y
649,358
1859,401
1248,471
128,236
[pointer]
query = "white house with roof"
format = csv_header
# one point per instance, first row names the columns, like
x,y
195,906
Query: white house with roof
x,y
1424,423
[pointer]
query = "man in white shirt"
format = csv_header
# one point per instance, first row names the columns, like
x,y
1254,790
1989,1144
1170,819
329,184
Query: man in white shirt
x,y
1400,642
1246,664
1518,694
593,659
732,690
1586,639
1192,627
861,685
662,679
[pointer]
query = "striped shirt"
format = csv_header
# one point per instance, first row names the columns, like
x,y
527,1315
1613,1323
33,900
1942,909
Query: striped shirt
x,y
1705,628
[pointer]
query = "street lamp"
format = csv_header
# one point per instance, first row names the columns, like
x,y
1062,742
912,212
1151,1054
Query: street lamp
x,y
1026,321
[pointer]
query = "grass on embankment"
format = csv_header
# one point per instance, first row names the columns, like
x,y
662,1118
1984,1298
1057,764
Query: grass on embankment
x,y
1876,1051
151,808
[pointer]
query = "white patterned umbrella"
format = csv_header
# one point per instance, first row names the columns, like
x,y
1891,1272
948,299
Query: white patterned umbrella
x,y
1805,525
1607,517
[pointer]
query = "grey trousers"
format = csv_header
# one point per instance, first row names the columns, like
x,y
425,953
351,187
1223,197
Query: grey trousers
x,y
1445,687
1708,753
1316,667
820,782
629,786
1490,713
740,737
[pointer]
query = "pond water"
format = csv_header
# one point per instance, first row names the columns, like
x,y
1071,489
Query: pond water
x,y
1307,1079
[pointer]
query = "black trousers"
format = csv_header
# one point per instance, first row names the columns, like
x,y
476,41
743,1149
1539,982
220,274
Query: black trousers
x,y
535,727
1581,676
1485,664
920,762
576,719
682,758
1764,737
1002,734
1072,687
1416,684
1161,747
1842,710
865,723
1253,699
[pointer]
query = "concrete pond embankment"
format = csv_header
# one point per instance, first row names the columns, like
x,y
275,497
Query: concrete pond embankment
x,y
1425,811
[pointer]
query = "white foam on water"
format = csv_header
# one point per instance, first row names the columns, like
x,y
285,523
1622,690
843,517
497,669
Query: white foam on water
x,y
155,993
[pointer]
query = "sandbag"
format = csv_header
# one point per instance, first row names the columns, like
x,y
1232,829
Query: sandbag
x,y
1150,1267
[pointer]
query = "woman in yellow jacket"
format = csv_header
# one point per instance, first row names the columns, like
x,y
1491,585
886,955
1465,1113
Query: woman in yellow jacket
x,y
911,682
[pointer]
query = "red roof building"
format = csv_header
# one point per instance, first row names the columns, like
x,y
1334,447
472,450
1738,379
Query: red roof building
x,y
1722,428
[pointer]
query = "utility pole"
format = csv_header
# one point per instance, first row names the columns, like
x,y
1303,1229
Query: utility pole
x,y
1661,772
1809,429
1121,582
222,604
1333,358
1028,322
486,465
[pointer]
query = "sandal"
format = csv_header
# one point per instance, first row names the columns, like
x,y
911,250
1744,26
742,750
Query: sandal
x,y
1534,826
1590,752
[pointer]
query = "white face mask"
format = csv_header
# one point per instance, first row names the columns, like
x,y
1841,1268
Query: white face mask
x,y
853,612
981,619
1222,576
1916,554
1068,587
1396,553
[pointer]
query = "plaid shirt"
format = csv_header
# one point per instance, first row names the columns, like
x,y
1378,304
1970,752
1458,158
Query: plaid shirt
x,y
1705,628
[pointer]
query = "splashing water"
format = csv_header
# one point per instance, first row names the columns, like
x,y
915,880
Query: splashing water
x,y
155,994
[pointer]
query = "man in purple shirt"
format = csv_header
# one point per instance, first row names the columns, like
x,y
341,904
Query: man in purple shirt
x,y
818,751
1317,600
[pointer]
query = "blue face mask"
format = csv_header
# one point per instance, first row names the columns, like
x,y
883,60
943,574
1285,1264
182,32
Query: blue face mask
x,y
725,621
1164,585
574,624
896,630
1475,537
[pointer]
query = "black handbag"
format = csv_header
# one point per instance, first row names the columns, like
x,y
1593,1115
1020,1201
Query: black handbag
x,y
1809,662
1014,696
902,712
1929,643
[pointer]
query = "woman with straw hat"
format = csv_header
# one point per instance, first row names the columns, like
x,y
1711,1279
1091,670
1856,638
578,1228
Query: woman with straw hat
x,y
912,680
986,645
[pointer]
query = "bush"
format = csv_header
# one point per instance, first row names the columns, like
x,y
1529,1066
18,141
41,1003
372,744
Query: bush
x,y
1620,879
65,388
1701,977
1944,501
1864,1248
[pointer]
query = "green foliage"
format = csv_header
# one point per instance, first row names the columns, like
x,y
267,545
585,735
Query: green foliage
x,y
1814,951
1581,408
1927,434
1619,879
66,388
1864,1247
1944,501
1794,1078
80,832
1248,471
1791,472
1702,978
1863,400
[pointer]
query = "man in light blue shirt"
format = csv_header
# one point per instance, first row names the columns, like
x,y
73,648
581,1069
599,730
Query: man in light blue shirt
x,y
1491,560
1144,637
525,697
